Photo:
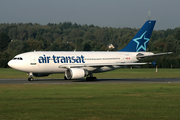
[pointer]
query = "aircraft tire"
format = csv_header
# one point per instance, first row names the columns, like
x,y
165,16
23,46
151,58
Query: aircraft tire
x,y
91,79
30,79
94,79
88,79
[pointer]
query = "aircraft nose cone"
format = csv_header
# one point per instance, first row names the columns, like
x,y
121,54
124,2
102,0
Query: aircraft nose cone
x,y
10,63
13,64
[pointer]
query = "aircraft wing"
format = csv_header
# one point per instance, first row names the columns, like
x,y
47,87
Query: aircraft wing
x,y
99,64
144,56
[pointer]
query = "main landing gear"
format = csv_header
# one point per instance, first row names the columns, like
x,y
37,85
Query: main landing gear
x,y
30,78
91,78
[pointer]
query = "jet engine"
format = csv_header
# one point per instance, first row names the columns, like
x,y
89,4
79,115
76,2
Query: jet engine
x,y
40,74
75,73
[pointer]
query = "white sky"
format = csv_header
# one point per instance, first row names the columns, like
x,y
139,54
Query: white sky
x,y
103,13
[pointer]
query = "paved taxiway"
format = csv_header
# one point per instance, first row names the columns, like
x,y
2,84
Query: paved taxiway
x,y
61,81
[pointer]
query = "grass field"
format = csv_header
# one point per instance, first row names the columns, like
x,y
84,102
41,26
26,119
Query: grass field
x,y
90,101
120,73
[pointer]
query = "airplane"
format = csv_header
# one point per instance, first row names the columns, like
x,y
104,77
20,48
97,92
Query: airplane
x,y
80,64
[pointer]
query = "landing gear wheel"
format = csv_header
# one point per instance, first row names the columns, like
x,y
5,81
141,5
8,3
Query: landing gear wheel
x,y
91,79
94,79
30,79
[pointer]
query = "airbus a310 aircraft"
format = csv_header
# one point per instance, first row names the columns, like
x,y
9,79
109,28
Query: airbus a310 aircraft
x,y
78,64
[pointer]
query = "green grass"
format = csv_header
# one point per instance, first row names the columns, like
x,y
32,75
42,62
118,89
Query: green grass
x,y
140,73
120,73
90,101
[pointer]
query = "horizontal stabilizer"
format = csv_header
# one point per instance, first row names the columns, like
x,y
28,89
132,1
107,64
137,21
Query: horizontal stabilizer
x,y
144,56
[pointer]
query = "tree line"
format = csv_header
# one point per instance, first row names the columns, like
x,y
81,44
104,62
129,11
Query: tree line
x,y
17,38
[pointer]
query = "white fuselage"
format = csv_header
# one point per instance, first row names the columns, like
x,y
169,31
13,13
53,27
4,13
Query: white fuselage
x,y
53,62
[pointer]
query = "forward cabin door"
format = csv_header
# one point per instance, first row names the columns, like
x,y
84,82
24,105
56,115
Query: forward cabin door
x,y
32,60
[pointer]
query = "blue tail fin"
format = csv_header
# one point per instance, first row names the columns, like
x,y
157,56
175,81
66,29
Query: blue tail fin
x,y
141,39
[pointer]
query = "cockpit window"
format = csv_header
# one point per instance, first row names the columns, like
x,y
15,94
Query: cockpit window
x,y
17,58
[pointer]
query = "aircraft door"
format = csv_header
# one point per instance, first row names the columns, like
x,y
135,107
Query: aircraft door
x,y
122,58
32,60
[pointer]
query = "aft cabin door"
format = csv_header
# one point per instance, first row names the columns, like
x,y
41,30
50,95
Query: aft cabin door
x,y
122,58
32,60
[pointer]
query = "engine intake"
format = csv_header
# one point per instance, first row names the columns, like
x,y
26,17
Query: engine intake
x,y
75,73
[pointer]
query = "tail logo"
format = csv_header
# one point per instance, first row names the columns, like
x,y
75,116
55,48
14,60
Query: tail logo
x,y
141,42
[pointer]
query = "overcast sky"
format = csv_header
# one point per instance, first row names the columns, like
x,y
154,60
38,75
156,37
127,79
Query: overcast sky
x,y
103,13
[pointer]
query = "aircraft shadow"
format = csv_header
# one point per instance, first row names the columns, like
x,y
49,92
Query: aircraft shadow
x,y
109,80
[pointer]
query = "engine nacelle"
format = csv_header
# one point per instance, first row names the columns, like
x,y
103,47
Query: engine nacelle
x,y
75,73
40,74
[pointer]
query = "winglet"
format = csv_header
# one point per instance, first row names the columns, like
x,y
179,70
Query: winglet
x,y
141,39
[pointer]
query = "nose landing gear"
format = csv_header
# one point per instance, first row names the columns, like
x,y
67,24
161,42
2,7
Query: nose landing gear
x,y
30,78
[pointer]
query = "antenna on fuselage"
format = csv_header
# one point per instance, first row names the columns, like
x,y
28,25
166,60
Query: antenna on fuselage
x,y
148,15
